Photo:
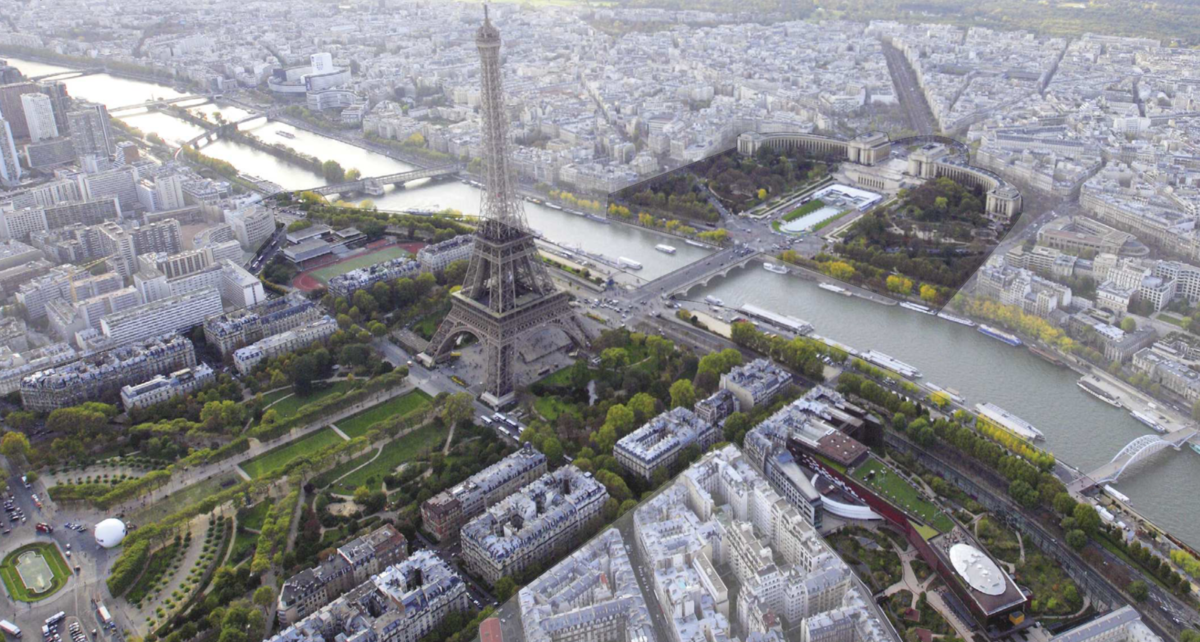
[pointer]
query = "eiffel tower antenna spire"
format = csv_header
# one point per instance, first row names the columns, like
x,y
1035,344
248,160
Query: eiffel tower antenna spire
x,y
507,292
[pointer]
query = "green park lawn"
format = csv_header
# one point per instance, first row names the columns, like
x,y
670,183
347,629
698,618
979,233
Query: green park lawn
x,y
289,406
558,377
54,559
366,260
903,494
254,516
273,460
396,452
807,208
403,406
551,407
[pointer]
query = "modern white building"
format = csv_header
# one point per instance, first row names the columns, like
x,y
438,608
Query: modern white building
x,y
252,225
39,116
172,314
10,163
719,512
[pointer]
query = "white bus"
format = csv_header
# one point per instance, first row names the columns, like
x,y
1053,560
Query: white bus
x,y
10,628
56,618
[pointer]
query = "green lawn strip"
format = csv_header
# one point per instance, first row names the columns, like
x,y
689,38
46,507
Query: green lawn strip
x,y
254,516
1172,319
243,546
273,460
402,406
396,452
185,497
903,494
291,405
272,397
328,477
807,208
819,226
16,586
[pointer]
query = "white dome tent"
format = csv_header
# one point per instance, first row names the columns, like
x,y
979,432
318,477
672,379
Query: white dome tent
x,y
110,532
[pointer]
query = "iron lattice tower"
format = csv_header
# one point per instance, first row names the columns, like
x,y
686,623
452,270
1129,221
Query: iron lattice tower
x,y
507,291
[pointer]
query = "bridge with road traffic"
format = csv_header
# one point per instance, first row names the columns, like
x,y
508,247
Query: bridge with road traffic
x,y
373,186
698,273
1133,453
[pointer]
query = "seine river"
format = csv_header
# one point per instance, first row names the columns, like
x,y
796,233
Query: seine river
x,y
1080,430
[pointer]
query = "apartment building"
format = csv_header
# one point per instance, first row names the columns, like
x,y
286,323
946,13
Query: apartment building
x,y
533,524
244,359
403,603
166,387
241,327
445,513
436,257
659,443
353,564
172,314
101,376
755,383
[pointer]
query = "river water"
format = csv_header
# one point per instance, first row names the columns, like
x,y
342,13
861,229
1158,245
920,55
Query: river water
x,y
1080,430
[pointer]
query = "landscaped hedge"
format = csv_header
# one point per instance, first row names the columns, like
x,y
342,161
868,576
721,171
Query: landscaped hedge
x,y
128,566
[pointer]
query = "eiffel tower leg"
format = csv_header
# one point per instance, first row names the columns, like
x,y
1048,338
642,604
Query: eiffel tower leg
x,y
439,346
499,386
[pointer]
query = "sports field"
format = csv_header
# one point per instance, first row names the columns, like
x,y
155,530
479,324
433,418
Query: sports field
x,y
34,571
365,260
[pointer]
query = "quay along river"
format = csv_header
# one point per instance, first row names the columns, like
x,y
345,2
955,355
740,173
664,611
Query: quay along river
x,y
1080,430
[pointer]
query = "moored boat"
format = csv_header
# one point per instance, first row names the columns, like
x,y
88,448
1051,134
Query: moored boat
x,y
829,287
915,307
777,269
999,335
956,319
1099,393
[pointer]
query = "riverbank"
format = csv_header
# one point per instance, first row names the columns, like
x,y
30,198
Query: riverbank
x,y
111,68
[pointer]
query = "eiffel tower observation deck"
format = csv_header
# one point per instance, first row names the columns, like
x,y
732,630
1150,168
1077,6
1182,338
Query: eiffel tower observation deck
x,y
507,293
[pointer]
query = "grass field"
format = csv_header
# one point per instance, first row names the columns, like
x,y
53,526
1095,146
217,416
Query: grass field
x,y
396,452
558,377
404,405
254,516
551,407
180,498
53,559
807,208
291,405
366,260
903,494
273,460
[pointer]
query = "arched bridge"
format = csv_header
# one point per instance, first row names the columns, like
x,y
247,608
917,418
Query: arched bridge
x,y
65,75
373,186
697,273
1137,451
211,136
153,103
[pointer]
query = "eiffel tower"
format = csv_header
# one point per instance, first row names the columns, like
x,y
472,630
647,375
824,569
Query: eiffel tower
x,y
507,292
